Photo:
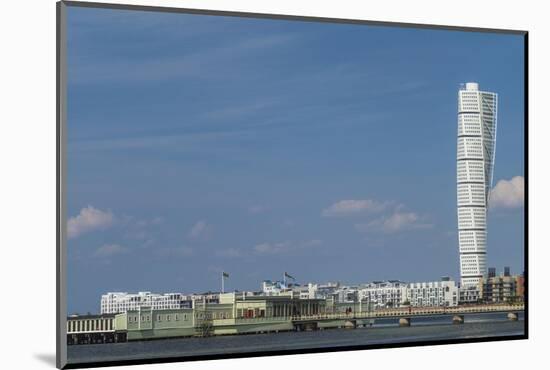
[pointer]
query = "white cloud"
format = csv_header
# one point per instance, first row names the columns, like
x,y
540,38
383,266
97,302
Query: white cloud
x,y
200,230
153,221
175,252
351,206
144,230
157,220
508,193
311,243
109,250
229,252
255,209
89,219
286,247
272,248
397,222
205,62
182,251
289,223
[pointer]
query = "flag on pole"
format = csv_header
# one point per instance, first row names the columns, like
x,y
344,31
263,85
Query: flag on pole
x,y
287,275
224,276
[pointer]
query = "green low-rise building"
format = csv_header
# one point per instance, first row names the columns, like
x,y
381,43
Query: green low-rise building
x,y
234,314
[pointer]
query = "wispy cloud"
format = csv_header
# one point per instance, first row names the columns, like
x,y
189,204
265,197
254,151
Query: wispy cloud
x,y
272,248
179,27
147,222
143,230
311,243
174,252
200,230
354,206
392,217
108,250
229,252
257,208
243,110
182,142
198,65
508,193
286,247
394,223
89,219
289,223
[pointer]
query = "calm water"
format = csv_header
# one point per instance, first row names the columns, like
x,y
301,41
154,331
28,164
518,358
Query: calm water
x,y
383,331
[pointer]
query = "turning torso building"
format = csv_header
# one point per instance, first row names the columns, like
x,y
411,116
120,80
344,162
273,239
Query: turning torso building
x,y
477,128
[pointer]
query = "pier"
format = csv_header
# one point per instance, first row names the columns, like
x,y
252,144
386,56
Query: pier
x,y
218,319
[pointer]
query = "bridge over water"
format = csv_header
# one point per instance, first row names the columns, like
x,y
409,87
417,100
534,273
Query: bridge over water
x,y
405,315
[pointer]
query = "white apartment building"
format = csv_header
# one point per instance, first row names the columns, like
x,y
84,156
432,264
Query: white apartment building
x,y
326,290
117,302
375,295
476,140
395,293
380,294
347,294
435,293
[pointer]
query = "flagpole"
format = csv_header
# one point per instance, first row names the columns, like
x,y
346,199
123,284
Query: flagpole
x,y
223,279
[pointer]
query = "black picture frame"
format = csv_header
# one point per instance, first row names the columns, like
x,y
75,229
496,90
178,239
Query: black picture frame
x,y
61,155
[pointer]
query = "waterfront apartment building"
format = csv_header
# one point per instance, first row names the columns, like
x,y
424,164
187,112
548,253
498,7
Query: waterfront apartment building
x,y
117,302
435,293
520,287
381,294
395,293
347,294
503,288
326,290
477,128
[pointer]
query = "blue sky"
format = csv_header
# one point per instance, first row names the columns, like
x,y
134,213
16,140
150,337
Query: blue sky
x,y
198,144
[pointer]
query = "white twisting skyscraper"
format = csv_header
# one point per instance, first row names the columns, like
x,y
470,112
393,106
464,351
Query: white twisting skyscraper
x,y
477,128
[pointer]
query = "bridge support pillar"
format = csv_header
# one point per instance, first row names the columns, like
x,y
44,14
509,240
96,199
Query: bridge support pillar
x,y
512,316
311,326
350,324
405,321
458,319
